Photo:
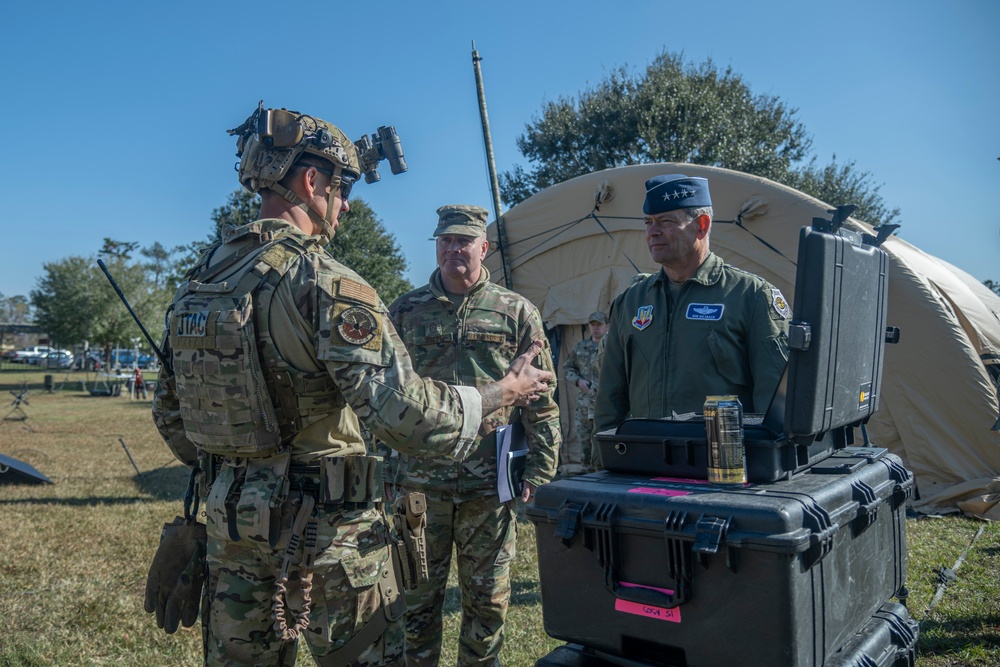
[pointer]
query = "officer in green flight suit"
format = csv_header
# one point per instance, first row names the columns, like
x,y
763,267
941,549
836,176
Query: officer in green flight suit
x,y
697,327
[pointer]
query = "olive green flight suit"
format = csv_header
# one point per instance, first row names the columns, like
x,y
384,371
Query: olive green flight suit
x,y
726,334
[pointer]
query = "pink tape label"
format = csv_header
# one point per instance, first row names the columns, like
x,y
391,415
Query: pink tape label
x,y
659,492
649,611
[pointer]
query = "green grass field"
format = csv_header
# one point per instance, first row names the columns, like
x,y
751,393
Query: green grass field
x,y
74,555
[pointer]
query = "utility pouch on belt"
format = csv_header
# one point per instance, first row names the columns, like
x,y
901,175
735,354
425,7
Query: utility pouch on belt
x,y
352,479
265,489
410,517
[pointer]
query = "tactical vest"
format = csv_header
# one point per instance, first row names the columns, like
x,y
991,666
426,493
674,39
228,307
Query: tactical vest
x,y
232,402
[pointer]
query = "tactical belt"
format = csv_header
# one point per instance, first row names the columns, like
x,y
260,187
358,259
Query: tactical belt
x,y
341,482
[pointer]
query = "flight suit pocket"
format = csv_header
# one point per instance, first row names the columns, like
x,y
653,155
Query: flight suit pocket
x,y
729,359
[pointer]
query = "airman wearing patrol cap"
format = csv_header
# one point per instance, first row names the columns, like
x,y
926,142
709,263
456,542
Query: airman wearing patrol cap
x,y
697,327
279,354
462,328
579,370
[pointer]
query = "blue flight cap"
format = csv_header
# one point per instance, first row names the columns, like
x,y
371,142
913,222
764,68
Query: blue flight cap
x,y
673,191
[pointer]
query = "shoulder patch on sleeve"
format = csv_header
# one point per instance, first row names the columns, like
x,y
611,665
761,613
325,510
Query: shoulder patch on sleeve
x,y
779,304
355,291
356,325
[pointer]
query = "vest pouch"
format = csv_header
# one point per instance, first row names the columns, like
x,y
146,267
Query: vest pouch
x,y
220,507
352,479
265,490
225,404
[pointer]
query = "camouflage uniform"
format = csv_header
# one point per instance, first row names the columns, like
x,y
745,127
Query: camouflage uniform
x,y
472,345
726,334
324,333
579,366
595,369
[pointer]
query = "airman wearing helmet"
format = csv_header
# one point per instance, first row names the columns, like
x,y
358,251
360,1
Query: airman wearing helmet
x,y
279,355
274,144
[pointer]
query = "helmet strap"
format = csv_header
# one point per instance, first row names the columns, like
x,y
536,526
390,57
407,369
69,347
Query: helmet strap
x,y
325,223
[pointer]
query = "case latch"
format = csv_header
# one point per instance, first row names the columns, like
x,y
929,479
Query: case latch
x,y
709,533
569,521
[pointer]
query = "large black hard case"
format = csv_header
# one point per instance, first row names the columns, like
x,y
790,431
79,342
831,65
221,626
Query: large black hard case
x,y
888,639
838,334
668,569
677,448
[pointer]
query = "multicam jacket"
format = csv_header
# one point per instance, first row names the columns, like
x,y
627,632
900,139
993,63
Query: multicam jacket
x,y
726,334
580,366
474,346
325,322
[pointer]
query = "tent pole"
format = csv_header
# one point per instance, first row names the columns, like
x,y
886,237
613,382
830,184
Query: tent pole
x,y
491,166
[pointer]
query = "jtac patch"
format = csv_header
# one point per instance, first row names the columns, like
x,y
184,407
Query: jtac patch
x,y
705,311
192,324
359,326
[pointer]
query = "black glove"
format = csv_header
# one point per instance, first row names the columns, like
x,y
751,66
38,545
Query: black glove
x,y
173,587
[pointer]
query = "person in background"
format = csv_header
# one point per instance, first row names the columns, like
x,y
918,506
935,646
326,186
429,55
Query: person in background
x,y
579,370
463,329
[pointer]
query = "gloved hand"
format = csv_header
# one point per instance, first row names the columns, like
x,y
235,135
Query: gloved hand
x,y
173,587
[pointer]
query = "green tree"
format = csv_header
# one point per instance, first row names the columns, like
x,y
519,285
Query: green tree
x,y
15,309
65,300
675,111
363,244
842,183
993,285
74,302
241,207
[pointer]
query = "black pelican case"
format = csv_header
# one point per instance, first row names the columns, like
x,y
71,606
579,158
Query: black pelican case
x,y
685,572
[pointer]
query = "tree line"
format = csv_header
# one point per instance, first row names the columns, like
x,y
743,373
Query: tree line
x,y
73,301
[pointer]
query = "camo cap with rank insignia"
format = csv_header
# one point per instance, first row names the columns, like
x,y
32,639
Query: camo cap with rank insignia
x,y
463,219
673,191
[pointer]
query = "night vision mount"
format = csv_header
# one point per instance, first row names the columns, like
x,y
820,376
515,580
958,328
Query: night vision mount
x,y
383,145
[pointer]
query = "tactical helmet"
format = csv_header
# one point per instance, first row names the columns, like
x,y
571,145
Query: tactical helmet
x,y
271,141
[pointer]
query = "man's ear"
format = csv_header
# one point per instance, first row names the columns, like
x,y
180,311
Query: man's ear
x,y
704,224
307,179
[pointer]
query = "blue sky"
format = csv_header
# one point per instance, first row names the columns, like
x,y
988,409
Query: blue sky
x,y
114,114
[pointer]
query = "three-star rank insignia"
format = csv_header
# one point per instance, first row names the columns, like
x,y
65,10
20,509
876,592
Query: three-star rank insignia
x,y
358,326
780,305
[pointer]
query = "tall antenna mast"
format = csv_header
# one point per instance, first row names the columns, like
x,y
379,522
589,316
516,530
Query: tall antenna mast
x,y
491,166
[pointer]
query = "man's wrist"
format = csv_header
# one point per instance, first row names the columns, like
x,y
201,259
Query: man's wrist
x,y
493,397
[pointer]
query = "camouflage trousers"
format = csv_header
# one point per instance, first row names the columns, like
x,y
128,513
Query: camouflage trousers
x,y
484,533
575,457
237,626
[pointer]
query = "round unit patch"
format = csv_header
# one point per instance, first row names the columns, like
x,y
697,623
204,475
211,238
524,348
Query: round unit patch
x,y
357,326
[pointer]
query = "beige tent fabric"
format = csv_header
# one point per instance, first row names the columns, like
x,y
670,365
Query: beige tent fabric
x,y
938,401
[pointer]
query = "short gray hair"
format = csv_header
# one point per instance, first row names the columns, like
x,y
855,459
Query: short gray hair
x,y
701,210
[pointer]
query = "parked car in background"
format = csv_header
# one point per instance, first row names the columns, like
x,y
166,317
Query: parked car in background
x,y
128,359
54,359
27,354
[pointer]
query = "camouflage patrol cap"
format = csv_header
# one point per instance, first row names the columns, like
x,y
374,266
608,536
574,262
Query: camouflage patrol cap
x,y
463,219
598,316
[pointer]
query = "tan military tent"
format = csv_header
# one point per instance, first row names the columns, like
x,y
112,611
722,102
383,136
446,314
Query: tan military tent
x,y
573,247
